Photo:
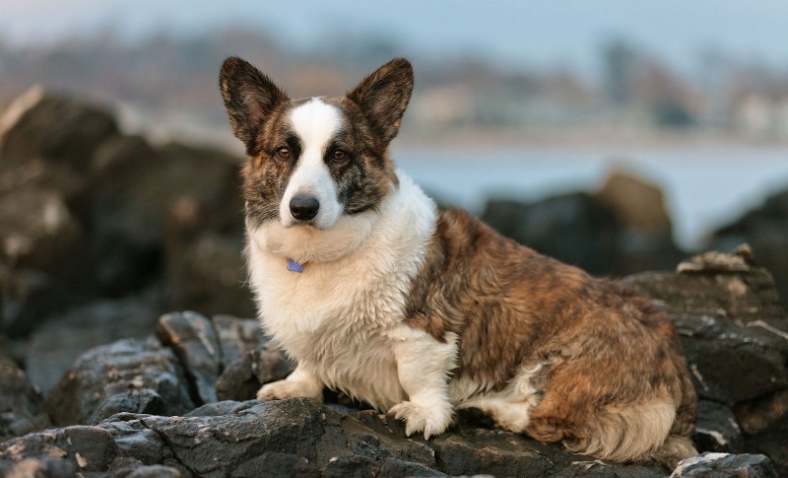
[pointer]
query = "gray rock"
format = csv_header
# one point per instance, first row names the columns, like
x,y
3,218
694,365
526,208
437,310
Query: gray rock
x,y
242,379
123,366
101,322
724,465
716,429
82,448
20,403
192,338
236,336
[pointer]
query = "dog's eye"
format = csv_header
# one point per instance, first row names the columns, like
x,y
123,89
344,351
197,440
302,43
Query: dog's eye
x,y
338,156
283,153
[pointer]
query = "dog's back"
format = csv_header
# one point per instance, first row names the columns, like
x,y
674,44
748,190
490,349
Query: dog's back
x,y
596,366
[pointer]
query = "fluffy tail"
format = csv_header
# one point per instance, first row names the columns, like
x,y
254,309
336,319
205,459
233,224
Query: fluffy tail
x,y
634,433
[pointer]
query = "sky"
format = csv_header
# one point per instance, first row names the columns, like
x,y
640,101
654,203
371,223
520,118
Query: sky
x,y
551,33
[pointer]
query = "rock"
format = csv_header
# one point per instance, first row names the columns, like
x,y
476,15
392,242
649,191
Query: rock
x,y
118,368
765,228
101,322
36,229
735,336
242,379
236,337
724,465
82,448
299,437
208,274
574,228
59,129
194,341
639,204
716,429
20,403
732,325
646,239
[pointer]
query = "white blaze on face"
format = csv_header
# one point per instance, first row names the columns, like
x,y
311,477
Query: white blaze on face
x,y
316,124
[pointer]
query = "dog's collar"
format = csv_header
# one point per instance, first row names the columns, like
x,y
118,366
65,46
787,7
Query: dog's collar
x,y
294,266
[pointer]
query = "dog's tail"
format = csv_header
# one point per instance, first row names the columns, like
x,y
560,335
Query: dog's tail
x,y
635,433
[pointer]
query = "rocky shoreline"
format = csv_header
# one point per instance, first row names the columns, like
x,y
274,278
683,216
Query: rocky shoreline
x,y
103,234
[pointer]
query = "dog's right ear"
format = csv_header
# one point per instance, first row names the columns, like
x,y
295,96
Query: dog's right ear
x,y
250,97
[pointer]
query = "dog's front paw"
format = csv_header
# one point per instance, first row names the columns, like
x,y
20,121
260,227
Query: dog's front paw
x,y
432,420
286,389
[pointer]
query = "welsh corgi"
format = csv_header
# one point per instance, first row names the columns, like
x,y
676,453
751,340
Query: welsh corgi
x,y
419,311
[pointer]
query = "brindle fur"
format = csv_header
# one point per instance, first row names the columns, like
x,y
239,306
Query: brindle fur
x,y
601,350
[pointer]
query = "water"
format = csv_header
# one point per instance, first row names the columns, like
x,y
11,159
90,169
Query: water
x,y
704,187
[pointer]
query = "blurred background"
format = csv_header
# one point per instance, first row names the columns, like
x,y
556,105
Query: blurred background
x,y
616,135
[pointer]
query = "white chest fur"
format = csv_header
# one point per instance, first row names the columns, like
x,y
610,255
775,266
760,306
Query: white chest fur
x,y
338,317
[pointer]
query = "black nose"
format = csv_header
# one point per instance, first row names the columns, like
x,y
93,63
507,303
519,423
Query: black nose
x,y
304,208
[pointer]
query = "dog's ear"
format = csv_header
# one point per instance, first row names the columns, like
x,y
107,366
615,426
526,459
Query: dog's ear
x,y
250,97
384,95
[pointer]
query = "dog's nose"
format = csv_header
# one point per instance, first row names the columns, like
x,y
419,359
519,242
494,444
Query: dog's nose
x,y
304,208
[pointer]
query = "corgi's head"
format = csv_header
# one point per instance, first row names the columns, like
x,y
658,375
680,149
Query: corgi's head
x,y
316,161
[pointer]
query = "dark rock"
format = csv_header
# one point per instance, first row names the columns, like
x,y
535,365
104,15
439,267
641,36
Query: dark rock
x,y
55,128
575,228
756,416
144,401
37,229
731,322
49,356
242,379
192,338
735,336
106,371
236,336
19,403
83,448
716,429
38,467
765,228
765,423
207,273
723,465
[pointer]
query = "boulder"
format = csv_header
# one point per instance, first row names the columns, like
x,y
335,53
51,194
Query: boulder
x,y
122,367
725,465
20,403
55,128
193,339
765,228
734,332
48,355
574,228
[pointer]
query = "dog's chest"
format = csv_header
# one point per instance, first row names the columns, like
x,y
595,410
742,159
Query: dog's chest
x,y
335,321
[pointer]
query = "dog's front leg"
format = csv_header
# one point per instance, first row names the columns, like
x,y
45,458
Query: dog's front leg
x,y
424,365
300,383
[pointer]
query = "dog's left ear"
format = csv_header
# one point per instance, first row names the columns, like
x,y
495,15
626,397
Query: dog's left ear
x,y
384,95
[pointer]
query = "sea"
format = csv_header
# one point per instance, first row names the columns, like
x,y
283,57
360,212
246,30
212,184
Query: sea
x,y
704,187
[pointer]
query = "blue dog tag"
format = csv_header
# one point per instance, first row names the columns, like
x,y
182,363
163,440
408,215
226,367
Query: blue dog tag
x,y
294,266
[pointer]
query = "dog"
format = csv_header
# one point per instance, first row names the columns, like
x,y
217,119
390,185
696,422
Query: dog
x,y
420,312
